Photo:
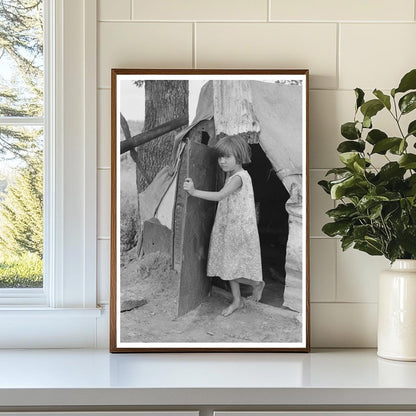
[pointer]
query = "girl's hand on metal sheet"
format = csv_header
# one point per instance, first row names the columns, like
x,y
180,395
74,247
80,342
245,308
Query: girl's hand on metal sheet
x,y
188,186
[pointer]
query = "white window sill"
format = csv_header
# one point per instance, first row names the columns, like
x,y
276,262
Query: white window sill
x,y
40,327
36,312
330,379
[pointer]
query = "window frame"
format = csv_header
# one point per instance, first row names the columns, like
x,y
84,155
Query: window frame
x,y
70,172
39,296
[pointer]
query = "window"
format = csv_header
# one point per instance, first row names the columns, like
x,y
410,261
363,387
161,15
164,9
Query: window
x,y
22,132
63,313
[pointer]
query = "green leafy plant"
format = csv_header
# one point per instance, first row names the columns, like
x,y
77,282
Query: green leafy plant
x,y
376,212
21,271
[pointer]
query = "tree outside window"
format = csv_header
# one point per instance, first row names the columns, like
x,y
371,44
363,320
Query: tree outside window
x,y
21,143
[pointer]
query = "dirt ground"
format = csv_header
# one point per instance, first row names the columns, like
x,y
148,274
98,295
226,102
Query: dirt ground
x,y
152,281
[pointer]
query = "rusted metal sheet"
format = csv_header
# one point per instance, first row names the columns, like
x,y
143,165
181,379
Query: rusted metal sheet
x,y
156,237
192,226
233,110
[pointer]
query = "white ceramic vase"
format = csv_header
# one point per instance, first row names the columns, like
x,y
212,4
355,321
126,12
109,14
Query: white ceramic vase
x,y
397,312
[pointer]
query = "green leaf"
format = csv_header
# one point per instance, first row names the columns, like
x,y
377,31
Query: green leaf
x,y
411,130
338,171
359,165
407,240
346,242
361,231
393,250
349,158
408,102
402,147
336,228
367,122
348,187
371,108
368,248
411,180
325,186
342,211
408,82
338,189
385,144
349,131
391,212
350,146
359,94
411,184
408,161
375,136
398,149
391,170
369,201
375,212
385,99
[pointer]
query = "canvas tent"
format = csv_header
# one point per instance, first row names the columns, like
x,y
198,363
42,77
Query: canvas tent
x,y
264,113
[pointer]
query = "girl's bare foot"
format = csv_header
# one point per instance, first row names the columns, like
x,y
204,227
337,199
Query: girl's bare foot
x,y
257,292
232,308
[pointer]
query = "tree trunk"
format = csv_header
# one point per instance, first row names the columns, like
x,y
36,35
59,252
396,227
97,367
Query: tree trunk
x,y
164,101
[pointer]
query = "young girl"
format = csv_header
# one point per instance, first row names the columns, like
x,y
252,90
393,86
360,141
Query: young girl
x,y
234,251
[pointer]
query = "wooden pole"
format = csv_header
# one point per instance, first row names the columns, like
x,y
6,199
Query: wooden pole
x,y
133,153
149,135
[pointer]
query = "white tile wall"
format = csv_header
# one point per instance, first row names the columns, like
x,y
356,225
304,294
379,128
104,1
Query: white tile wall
x,y
114,10
323,269
104,202
338,325
387,52
103,271
104,128
328,110
200,10
142,45
345,44
357,275
369,10
270,45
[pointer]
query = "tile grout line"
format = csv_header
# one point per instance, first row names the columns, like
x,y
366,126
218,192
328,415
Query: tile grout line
x,y
355,302
108,88
307,22
131,9
269,10
323,237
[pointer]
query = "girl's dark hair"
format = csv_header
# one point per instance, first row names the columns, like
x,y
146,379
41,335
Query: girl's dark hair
x,y
234,146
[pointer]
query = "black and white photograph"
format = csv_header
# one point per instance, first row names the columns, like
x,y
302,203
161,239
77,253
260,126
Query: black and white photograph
x,y
209,214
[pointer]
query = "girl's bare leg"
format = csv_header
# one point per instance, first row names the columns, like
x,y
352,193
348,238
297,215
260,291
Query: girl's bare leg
x,y
257,288
237,302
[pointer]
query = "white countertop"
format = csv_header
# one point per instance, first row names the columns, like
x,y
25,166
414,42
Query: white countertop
x,y
96,377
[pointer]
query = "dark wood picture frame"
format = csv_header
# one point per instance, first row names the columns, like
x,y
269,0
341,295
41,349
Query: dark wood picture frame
x,y
161,299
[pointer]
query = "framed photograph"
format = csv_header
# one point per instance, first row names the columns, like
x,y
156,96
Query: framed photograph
x,y
209,210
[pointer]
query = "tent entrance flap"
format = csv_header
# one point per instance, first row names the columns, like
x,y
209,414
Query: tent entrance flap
x,y
193,220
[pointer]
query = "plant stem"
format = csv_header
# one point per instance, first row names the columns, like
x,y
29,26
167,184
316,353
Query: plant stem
x,y
397,118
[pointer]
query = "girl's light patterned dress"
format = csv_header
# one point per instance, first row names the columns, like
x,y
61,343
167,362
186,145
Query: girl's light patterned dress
x,y
234,250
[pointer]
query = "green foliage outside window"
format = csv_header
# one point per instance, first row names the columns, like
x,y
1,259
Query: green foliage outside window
x,y
21,146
